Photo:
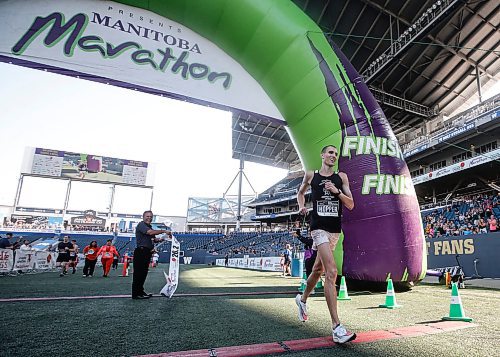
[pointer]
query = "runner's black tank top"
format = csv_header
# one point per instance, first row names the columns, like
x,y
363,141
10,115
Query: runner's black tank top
x,y
327,209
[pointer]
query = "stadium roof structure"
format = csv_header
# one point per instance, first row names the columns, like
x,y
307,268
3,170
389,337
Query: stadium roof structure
x,y
421,59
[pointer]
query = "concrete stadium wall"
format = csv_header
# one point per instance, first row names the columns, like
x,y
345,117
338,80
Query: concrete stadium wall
x,y
444,252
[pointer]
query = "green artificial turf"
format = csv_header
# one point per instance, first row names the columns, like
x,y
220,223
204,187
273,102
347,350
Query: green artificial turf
x,y
125,327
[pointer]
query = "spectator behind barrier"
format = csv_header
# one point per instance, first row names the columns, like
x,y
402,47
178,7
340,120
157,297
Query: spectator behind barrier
x,y
5,243
467,215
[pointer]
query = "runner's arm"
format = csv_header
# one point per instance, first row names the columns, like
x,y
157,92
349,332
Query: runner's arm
x,y
301,195
345,194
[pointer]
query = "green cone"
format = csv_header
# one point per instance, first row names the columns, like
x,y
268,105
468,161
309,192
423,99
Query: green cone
x,y
456,310
390,297
343,295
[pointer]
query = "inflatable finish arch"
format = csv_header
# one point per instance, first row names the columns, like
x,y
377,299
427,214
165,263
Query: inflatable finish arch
x,y
324,101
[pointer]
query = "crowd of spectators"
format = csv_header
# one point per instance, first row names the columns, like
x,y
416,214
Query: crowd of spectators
x,y
476,214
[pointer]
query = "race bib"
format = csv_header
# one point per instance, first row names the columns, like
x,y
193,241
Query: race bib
x,y
107,255
90,251
327,208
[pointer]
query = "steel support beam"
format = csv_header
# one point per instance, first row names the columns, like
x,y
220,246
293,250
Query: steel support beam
x,y
402,104
428,19
445,46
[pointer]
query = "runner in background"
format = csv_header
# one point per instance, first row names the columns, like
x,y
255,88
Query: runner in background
x,y
73,256
155,258
107,251
90,253
115,263
62,260
287,255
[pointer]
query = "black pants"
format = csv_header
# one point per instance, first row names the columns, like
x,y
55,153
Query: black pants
x,y
115,264
88,268
142,257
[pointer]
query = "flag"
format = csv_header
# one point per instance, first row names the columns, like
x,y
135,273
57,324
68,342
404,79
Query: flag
x,y
173,270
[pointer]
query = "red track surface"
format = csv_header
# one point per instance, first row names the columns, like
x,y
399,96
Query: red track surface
x,y
320,342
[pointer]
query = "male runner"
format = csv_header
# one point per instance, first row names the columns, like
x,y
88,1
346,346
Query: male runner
x,y
329,191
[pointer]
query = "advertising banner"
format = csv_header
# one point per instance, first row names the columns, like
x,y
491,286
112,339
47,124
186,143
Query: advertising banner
x,y
477,254
418,149
455,132
89,219
45,260
29,221
6,260
25,260
129,47
459,166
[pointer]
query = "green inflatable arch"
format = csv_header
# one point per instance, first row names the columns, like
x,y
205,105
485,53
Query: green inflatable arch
x,y
270,39
324,101
317,91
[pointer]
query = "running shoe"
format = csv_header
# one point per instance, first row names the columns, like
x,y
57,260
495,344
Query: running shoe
x,y
341,335
302,308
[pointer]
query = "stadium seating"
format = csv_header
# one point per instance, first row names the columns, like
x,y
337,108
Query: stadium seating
x,y
460,217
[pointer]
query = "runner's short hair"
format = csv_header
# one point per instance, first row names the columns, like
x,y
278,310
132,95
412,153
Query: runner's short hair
x,y
326,147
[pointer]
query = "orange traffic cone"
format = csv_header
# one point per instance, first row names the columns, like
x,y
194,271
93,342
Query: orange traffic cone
x,y
456,310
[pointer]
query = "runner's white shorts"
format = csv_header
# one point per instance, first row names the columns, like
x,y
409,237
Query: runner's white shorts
x,y
320,236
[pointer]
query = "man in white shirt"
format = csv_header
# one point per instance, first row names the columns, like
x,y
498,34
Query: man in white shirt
x,y
25,246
